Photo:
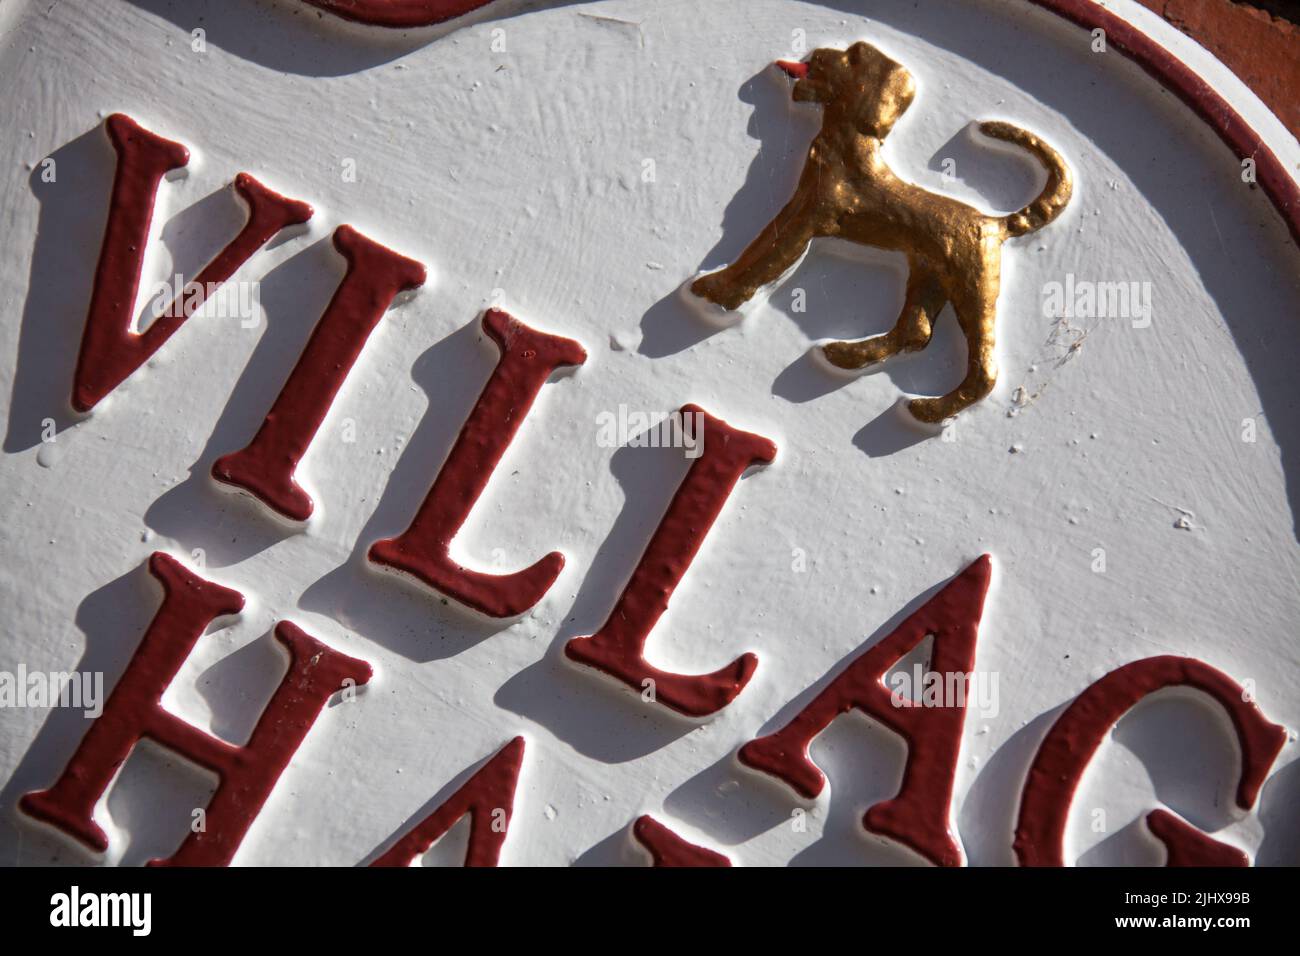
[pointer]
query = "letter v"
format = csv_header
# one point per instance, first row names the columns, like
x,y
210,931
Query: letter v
x,y
110,351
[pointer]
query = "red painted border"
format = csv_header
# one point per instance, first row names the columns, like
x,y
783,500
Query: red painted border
x,y
1158,63
1177,77
399,13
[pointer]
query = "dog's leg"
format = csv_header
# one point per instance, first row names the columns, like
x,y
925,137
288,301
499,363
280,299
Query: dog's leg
x,y
776,250
925,298
981,367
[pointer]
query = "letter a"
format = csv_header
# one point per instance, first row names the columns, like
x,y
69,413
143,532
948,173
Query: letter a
x,y
667,849
918,816
488,797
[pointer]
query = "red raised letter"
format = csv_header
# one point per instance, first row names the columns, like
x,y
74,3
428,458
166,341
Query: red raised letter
x,y
918,816
618,648
1188,846
134,710
1069,746
110,351
528,358
667,849
489,799
265,468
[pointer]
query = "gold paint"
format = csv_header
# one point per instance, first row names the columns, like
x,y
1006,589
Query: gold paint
x,y
954,251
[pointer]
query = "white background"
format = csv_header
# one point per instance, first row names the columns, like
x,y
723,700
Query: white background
x,y
522,171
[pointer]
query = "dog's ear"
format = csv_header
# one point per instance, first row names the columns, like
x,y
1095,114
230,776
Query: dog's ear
x,y
859,52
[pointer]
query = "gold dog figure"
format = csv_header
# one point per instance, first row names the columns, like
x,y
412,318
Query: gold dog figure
x,y
846,190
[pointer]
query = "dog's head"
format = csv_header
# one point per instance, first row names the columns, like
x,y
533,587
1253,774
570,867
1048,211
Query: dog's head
x,y
860,83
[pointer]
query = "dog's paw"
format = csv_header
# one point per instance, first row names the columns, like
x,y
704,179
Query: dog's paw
x,y
707,296
843,355
713,287
853,356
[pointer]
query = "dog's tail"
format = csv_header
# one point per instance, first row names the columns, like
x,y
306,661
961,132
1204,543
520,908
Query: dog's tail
x,y
1052,200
